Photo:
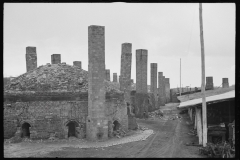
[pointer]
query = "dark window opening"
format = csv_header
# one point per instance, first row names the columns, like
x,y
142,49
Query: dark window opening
x,y
25,130
116,125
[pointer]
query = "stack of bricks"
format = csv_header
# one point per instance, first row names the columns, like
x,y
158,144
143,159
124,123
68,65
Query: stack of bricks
x,y
141,96
125,73
56,58
115,77
126,60
154,81
161,89
141,71
97,122
209,83
167,90
31,58
107,74
78,64
225,83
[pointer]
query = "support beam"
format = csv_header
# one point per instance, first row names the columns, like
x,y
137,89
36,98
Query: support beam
x,y
195,118
199,125
191,114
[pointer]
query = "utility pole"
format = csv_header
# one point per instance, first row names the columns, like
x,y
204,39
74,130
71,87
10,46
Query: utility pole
x,y
204,108
180,77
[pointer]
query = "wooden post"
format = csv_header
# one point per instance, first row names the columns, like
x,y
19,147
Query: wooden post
x,y
191,114
195,118
199,125
204,109
180,78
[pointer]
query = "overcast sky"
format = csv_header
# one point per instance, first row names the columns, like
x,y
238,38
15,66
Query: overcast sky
x,y
169,31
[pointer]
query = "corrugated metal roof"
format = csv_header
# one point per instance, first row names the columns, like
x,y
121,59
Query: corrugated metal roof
x,y
218,97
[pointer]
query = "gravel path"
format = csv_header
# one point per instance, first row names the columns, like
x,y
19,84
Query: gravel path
x,y
32,149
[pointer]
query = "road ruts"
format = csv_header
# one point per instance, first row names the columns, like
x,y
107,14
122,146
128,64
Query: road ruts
x,y
164,143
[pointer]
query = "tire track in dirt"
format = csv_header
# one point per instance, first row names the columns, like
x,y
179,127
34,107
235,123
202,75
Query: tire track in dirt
x,y
146,147
167,148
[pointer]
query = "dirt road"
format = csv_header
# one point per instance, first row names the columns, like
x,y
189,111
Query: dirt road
x,y
168,140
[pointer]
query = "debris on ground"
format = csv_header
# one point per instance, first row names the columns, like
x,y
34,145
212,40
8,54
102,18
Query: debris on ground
x,y
192,132
142,128
155,114
192,144
219,150
119,133
183,111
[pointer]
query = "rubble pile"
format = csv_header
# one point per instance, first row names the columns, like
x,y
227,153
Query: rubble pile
x,y
119,133
54,78
142,128
174,117
155,114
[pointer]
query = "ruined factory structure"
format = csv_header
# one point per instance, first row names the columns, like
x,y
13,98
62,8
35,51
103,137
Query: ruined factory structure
x,y
61,100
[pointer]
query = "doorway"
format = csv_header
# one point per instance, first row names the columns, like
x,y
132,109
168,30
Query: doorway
x,y
116,125
25,130
72,129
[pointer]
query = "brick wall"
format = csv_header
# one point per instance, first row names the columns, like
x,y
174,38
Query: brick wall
x,y
45,117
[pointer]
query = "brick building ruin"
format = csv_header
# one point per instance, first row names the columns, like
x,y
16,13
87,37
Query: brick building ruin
x,y
63,100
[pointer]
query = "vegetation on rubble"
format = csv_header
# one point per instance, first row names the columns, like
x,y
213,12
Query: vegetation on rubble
x,y
219,150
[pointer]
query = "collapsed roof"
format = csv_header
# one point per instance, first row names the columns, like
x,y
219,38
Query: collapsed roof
x,y
54,78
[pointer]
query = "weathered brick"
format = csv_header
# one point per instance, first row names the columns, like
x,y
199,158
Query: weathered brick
x,y
161,89
31,58
167,89
209,83
78,64
56,58
141,71
225,83
96,127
